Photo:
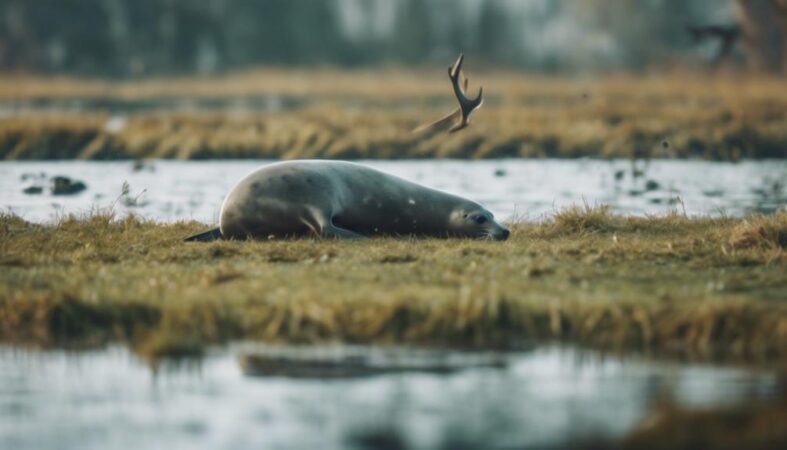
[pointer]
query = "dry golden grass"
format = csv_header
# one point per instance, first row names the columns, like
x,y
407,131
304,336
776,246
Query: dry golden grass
x,y
668,285
768,232
347,114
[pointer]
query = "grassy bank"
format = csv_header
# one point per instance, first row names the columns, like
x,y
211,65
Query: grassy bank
x,y
332,114
704,288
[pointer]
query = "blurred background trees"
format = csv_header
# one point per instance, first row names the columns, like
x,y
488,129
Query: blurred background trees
x,y
764,24
137,37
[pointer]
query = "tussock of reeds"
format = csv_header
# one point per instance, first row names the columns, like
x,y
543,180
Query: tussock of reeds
x,y
585,219
766,232
662,285
371,115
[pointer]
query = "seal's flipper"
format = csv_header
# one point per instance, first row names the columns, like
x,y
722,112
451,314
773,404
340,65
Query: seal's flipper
x,y
205,236
332,231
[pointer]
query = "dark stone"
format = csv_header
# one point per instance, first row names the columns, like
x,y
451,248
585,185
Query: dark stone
x,y
500,172
652,185
33,190
66,186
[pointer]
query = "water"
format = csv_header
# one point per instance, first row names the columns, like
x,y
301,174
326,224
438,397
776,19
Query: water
x,y
547,397
120,108
550,396
530,189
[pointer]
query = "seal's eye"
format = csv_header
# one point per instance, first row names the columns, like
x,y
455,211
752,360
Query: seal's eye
x,y
479,219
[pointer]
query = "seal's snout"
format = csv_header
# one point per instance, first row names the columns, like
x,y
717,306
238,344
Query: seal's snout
x,y
501,234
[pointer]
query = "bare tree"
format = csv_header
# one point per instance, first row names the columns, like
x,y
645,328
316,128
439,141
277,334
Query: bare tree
x,y
764,24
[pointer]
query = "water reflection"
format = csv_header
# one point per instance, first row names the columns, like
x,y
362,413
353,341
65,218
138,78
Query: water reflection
x,y
548,396
531,189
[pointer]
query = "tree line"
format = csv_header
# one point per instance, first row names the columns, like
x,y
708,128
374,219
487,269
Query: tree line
x,y
138,37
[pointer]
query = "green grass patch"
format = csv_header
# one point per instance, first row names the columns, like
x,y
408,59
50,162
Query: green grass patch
x,y
701,288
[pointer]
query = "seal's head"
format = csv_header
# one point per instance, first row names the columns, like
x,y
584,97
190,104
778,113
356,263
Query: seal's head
x,y
473,220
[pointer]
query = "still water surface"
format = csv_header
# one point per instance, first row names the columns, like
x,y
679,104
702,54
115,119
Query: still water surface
x,y
547,397
530,189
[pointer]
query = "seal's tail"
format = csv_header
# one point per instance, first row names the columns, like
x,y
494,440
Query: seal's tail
x,y
206,236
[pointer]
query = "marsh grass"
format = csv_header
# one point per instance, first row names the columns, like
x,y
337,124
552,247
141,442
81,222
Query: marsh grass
x,y
669,284
767,232
372,114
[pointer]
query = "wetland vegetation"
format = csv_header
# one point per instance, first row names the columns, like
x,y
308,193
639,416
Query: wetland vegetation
x,y
324,113
688,287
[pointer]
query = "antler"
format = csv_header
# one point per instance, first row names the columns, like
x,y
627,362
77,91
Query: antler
x,y
466,105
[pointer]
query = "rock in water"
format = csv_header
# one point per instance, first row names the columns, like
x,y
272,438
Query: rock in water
x,y
33,190
652,185
66,186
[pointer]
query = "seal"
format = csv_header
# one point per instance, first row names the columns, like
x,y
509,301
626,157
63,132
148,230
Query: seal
x,y
339,199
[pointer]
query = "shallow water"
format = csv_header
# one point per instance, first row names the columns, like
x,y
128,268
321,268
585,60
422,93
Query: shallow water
x,y
550,396
531,189
121,108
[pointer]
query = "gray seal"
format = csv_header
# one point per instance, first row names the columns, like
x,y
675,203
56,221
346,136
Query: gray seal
x,y
338,199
